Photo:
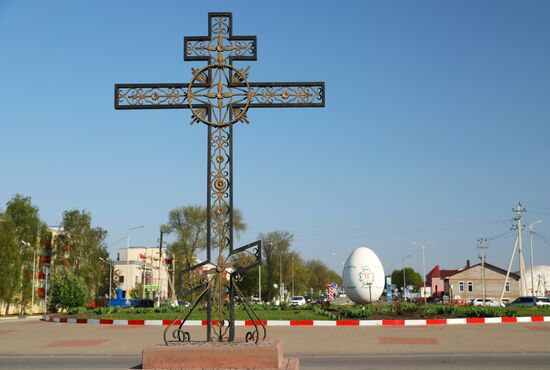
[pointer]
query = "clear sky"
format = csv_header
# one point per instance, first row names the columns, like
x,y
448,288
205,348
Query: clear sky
x,y
436,123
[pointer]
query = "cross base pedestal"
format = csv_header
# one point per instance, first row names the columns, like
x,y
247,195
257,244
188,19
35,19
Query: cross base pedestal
x,y
217,356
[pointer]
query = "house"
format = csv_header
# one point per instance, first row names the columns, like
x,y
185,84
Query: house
x,y
435,279
467,283
141,265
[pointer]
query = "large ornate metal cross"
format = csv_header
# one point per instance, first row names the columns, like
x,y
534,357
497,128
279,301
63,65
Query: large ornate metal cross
x,y
219,95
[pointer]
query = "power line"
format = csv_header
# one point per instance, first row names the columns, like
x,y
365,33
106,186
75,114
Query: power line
x,y
507,233
540,213
389,233
382,230
543,238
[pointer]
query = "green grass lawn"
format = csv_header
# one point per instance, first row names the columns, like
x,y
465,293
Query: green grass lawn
x,y
200,314
335,312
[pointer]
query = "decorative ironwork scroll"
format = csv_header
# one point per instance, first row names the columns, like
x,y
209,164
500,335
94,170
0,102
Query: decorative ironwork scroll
x,y
220,95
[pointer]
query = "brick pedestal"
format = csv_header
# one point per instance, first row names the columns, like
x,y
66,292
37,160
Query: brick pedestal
x,y
218,356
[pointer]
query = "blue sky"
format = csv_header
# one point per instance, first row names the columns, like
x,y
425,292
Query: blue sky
x,y
436,122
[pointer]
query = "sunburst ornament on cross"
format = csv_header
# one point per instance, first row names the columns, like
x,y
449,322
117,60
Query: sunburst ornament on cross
x,y
220,95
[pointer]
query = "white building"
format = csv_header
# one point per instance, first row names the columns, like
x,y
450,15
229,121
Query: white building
x,y
539,280
143,267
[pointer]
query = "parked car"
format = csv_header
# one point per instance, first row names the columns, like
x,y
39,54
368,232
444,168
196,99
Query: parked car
x,y
253,299
530,301
489,302
297,301
140,303
323,299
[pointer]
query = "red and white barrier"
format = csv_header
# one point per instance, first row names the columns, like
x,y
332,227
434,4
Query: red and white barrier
x,y
422,322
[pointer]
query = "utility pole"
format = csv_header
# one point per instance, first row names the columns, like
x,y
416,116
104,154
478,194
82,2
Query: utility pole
x,y
508,271
523,285
519,246
482,246
260,281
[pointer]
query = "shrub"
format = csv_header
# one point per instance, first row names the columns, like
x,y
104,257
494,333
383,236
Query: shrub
x,y
358,312
404,308
386,308
75,310
510,312
67,290
324,312
103,310
483,312
447,310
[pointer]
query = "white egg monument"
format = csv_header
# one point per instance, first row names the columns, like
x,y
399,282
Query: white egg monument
x,y
363,276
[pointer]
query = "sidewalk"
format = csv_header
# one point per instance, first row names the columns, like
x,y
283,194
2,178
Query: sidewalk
x,y
26,317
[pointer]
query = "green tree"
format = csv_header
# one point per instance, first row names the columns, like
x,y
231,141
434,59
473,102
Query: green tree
x,y
275,245
137,292
188,223
317,275
249,284
67,290
11,263
23,220
411,278
80,248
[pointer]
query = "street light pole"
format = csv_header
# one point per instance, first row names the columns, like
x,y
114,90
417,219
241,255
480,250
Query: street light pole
x,y
46,288
293,276
423,247
28,245
110,275
128,261
532,273
404,280
424,275
280,277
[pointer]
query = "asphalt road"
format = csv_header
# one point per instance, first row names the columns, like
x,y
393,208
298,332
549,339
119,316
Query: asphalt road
x,y
32,344
413,362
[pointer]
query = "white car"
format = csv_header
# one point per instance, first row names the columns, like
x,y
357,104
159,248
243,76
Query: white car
x,y
489,302
255,300
297,301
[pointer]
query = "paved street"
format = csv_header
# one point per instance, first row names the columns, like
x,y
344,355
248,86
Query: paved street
x,y
32,344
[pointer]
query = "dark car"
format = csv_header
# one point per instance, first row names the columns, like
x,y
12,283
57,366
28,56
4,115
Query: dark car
x,y
142,303
322,300
308,299
530,301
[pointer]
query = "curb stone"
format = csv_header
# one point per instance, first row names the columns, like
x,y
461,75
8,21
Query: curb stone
x,y
421,322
